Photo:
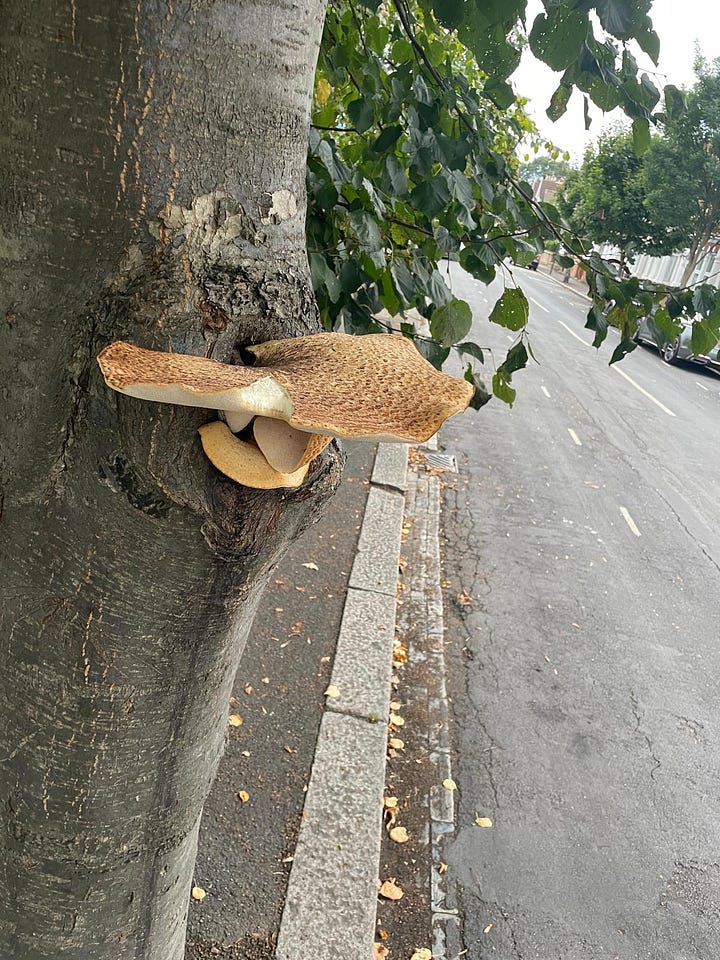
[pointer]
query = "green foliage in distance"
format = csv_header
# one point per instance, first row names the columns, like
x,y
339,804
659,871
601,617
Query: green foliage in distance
x,y
556,168
681,171
412,162
604,201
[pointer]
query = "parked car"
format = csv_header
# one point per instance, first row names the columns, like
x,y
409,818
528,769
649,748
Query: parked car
x,y
678,349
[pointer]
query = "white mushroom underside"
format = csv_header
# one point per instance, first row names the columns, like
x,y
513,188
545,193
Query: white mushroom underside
x,y
265,397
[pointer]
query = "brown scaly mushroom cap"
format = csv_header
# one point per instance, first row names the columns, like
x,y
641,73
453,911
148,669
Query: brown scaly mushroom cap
x,y
375,386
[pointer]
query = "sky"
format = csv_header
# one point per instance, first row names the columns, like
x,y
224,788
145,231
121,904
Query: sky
x,y
678,23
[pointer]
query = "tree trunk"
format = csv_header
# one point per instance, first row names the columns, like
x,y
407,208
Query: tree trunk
x,y
152,189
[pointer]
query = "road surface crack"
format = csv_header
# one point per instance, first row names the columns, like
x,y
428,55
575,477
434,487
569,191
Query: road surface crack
x,y
657,763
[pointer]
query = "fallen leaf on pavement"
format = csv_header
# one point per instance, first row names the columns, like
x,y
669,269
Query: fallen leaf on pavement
x,y
248,688
395,705
449,784
396,743
422,954
379,952
442,868
310,566
332,691
244,795
488,928
198,893
464,599
399,835
396,720
390,890
383,934
483,822
265,680
235,720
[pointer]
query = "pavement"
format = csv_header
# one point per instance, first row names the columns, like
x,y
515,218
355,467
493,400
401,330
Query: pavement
x,y
578,286
292,836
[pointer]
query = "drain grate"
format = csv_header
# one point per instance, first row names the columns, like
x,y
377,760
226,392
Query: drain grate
x,y
442,461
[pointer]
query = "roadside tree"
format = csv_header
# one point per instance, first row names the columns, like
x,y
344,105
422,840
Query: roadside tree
x,y
681,173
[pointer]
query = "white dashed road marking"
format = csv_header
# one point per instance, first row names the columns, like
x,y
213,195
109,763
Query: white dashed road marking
x,y
538,304
630,522
643,391
572,333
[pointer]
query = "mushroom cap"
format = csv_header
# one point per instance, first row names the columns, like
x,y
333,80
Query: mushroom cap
x,y
334,384
243,462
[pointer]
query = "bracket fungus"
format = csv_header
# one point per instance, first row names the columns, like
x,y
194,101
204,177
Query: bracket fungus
x,y
300,393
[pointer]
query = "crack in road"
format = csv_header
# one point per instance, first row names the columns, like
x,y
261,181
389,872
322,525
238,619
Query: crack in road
x,y
634,703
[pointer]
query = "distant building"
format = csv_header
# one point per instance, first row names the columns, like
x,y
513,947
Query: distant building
x,y
545,188
669,269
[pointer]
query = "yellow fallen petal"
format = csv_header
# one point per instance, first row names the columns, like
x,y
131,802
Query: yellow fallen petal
x,y
449,784
390,890
396,720
422,954
483,822
235,720
396,743
399,835
198,893
332,691
244,795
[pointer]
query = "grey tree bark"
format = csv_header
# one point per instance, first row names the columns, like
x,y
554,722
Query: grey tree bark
x,y
151,189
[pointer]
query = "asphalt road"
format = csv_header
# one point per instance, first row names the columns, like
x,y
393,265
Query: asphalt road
x,y
584,670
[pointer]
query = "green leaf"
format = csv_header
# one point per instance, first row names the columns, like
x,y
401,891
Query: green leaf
x,y
387,139
668,328
481,395
559,102
433,352
394,179
516,359
674,102
404,281
641,135
431,196
622,350
323,276
451,322
472,261
502,389
360,112
438,290
617,16
557,37
511,310
471,350
705,335
366,229
705,298
500,92
597,322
